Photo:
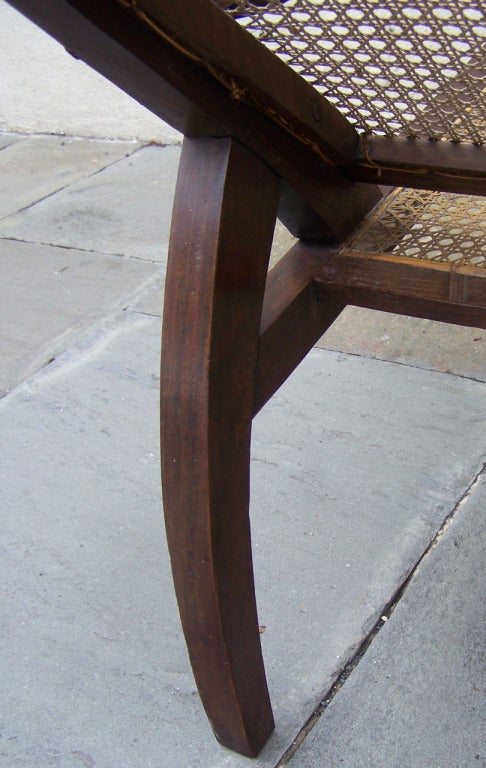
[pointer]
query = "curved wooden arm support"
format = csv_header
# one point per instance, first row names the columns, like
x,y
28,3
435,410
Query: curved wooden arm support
x,y
223,221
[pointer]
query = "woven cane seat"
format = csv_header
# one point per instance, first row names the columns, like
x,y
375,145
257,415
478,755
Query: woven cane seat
x,y
392,67
395,68
430,226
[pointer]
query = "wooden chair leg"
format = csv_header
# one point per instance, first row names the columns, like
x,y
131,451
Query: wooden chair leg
x,y
224,215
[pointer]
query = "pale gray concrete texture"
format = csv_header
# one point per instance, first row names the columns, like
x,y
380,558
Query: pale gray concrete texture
x,y
46,164
356,463
418,696
45,90
72,287
94,667
70,290
6,139
123,210
409,340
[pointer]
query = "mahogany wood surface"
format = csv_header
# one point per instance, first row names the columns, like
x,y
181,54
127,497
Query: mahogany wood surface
x,y
224,215
293,319
444,166
262,76
405,286
312,284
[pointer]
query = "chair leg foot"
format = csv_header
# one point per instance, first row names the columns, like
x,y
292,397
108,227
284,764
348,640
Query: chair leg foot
x,y
224,215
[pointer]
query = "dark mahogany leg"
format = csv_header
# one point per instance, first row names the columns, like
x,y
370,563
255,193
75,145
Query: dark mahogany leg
x,y
222,227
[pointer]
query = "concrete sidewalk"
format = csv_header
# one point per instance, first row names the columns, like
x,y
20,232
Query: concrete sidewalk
x,y
368,466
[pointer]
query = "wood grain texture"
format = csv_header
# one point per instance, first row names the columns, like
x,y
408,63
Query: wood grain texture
x,y
293,319
405,286
231,50
224,215
423,164
307,290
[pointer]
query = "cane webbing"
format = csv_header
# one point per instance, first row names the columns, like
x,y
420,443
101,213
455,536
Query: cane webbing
x,y
392,67
434,226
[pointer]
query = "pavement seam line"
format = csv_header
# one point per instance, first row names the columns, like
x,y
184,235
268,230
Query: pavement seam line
x,y
146,314
78,137
70,183
385,614
405,365
84,330
15,141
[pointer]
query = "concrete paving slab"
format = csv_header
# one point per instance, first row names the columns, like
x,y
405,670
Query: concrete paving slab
x,y
152,303
377,497
123,210
8,138
355,465
418,696
50,295
410,341
36,167
43,89
385,336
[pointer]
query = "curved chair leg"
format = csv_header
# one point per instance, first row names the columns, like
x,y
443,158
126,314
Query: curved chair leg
x,y
224,215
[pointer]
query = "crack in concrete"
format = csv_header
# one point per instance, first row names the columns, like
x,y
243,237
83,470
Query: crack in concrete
x,y
385,614
146,314
81,249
